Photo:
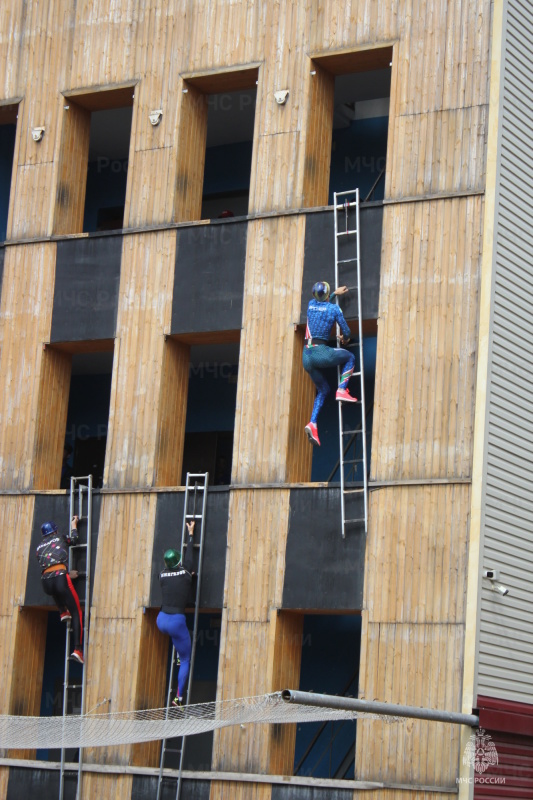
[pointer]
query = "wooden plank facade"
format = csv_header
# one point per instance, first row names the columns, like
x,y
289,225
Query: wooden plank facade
x,y
62,60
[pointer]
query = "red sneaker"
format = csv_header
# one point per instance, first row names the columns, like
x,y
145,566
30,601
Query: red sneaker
x,y
77,655
312,433
65,616
344,396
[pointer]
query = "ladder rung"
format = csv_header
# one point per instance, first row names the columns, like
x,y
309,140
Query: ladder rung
x,y
77,546
354,491
353,521
348,433
354,461
193,516
172,750
347,233
346,261
73,685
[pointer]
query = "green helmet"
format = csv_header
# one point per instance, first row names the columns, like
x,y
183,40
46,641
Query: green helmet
x,y
172,558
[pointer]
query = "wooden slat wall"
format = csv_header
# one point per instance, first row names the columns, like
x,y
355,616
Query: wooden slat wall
x,y
260,649
22,631
172,414
41,76
73,160
413,630
299,453
192,133
52,408
145,300
160,52
274,266
125,653
25,317
319,138
427,329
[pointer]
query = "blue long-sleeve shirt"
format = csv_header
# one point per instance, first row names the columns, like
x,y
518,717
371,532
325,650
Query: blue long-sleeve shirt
x,y
321,316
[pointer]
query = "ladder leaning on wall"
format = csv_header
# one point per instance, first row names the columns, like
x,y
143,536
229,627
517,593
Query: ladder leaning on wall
x,y
194,508
348,259
79,558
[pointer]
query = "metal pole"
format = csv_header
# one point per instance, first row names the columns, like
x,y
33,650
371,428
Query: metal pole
x,y
373,707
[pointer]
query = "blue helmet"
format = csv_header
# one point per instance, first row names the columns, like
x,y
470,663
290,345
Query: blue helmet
x,y
48,527
321,290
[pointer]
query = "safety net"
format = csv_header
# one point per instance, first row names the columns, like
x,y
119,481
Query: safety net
x,y
103,730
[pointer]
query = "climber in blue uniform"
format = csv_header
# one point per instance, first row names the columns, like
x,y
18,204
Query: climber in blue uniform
x,y
317,356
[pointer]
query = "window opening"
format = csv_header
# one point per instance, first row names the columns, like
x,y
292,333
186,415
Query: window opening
x,y
228,157
8,130
327,750
107,170
87,417
53,676
360,127
211,404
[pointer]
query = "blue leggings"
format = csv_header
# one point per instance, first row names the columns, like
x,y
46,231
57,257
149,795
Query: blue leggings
x,y
319,357
175,626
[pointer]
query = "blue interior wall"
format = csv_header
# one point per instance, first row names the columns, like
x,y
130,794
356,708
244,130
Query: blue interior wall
x,y
357,157
7,149
330,659
106,188
88,406
212,398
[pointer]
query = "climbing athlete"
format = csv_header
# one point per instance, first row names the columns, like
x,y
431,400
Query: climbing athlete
x,y
56,581
175,582
322,314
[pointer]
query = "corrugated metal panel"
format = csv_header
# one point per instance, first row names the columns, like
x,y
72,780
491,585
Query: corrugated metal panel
x,y
505,645
509,726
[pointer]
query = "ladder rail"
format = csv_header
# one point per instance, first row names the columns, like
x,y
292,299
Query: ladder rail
x,y
187,516
350,230
195,627
83,489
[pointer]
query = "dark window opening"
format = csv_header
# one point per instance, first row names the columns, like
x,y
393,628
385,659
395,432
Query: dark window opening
x,y
203,690
326,457
87,417
360,127
327,750
228,158
211,407
107,170
7,150
53,680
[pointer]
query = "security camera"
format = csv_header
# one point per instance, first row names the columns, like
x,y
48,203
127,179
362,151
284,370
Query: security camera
x,y
500,588
491,574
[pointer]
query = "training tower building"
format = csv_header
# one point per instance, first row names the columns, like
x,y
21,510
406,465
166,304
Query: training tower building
x,y
167,181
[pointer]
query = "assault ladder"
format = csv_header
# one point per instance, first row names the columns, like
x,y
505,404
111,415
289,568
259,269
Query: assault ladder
x,y
348,257
79,557
194,508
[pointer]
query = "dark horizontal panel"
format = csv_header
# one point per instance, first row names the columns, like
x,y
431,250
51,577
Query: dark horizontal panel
x,y
169,516
86,289
323,571
41,783
280,792
319,260
56,507
209,278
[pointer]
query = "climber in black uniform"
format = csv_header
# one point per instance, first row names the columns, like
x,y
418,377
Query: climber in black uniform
x,y
52,555
175,584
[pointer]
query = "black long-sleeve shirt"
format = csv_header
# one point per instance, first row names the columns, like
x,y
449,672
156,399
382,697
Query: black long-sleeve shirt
x,y
176,584
53,549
